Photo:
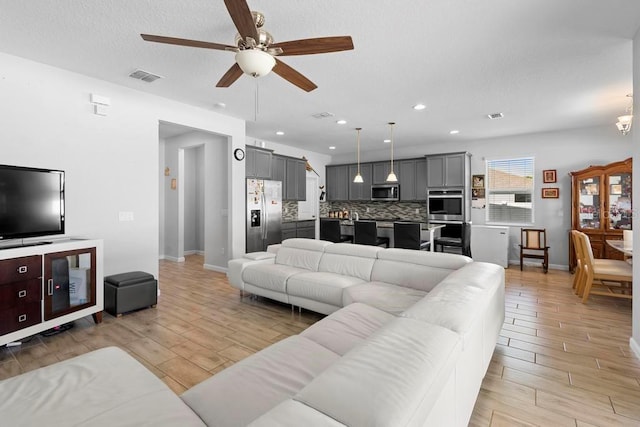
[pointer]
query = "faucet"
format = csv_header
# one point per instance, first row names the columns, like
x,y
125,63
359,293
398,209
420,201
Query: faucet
x,y
357,216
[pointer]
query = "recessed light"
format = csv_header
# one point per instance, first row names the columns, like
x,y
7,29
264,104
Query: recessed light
x,y
341,122
279,132
454,132
386,141
419,107
220,105
332,148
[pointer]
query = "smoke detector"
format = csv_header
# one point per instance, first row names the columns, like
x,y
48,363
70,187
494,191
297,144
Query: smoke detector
x,y
495,116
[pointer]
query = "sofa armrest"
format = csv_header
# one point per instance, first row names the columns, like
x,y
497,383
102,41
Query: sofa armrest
x,y
237,266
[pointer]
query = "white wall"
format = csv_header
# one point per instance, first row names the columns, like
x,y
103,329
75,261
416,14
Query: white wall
x,y
564,151
635,139
111,162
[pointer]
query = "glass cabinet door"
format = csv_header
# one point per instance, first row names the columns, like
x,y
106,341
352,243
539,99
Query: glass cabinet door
x,y
589,209
69,281
619,203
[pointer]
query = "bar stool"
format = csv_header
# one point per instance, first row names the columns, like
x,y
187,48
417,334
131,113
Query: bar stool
x,y
406,235
330,231
366,233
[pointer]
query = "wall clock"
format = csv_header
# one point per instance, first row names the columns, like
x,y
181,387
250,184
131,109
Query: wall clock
x,y
238,153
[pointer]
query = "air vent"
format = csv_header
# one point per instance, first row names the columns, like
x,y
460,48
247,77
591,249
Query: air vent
x,y
495,116
145,76
323,115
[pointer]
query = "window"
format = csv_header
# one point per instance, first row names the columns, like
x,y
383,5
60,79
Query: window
x,y
509,191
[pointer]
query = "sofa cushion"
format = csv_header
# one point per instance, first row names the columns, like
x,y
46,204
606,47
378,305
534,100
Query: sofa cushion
x,y
292,413
384,296
320,286
270,276
461,298
103,388
420,270
301,253
244,391
393,379
349,260
346,328
236,268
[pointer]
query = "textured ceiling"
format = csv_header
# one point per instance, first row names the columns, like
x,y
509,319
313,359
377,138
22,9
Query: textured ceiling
x,y
546,64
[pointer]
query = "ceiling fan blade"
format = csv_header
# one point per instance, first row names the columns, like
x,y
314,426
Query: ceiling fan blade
x,y
186,42
312,46
242,18
292,76
230,76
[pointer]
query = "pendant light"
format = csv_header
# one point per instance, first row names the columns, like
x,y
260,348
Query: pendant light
x,y
392,176
358,178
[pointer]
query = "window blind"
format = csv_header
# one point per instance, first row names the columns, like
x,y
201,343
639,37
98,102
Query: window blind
x,y
510,190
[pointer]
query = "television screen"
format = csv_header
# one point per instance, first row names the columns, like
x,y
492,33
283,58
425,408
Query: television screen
x,y
31,202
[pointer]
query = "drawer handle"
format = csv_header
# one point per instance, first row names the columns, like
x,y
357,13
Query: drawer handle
x,y
22,318
50,287
22,293
22,269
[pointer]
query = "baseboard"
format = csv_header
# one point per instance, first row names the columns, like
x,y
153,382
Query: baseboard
x,y
538,264
215,268
172,258
635,347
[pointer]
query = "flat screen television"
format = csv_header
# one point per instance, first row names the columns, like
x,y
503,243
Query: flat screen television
x,y
31,202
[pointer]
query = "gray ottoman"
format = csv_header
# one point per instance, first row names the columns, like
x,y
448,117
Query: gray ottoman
x,y
129,291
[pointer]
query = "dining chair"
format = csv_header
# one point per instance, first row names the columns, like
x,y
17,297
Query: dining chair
x,y
578,278
533,244
406,235
608,277
330,231
455,235
366,233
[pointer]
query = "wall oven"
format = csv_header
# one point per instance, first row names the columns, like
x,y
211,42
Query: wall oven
x,y
385,192
445,205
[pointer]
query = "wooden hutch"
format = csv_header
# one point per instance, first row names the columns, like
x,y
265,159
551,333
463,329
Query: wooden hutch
x,y
601,207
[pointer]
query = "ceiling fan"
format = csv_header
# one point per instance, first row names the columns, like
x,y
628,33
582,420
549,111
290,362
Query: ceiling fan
x,y
255,50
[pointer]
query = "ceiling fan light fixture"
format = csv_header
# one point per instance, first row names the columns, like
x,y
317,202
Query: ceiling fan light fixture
x,y
255,62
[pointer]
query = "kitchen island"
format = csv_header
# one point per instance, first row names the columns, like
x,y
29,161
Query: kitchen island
x,y
385,229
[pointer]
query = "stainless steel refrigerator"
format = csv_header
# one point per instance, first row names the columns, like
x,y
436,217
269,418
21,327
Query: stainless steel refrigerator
x,y
264,214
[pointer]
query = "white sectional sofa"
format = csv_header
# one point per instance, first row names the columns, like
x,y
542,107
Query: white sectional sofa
x,y
409,348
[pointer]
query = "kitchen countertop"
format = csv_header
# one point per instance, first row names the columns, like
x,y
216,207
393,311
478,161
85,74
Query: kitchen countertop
x,y
382,222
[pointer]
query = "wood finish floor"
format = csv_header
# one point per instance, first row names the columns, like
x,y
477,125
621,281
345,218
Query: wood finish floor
x,y
558,362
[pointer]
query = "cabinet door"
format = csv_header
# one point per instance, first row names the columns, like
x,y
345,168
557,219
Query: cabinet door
x,y
301,179
263,164
421,180
618,203
407,179
70,281
250,162
454,170
337,184
435,171
589,203
278,172
292,180
380,172
362,190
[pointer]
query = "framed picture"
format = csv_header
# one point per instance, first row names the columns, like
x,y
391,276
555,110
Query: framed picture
x,y
549,176
478,181
616,189
550,193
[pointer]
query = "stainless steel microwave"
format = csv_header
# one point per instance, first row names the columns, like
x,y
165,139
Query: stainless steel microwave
x,y
387,192
445,205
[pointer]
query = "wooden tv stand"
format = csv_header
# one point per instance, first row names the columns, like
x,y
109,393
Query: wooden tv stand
x,y
44,286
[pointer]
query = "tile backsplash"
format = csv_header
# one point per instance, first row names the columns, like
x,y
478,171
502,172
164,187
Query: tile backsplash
x,y
411,211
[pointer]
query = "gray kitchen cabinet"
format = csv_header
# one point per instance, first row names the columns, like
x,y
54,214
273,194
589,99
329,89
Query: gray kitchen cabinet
x,y
412,178
296,179
306,229
381,171
258,162
302,229
337,180
447,170
278,170
360,191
